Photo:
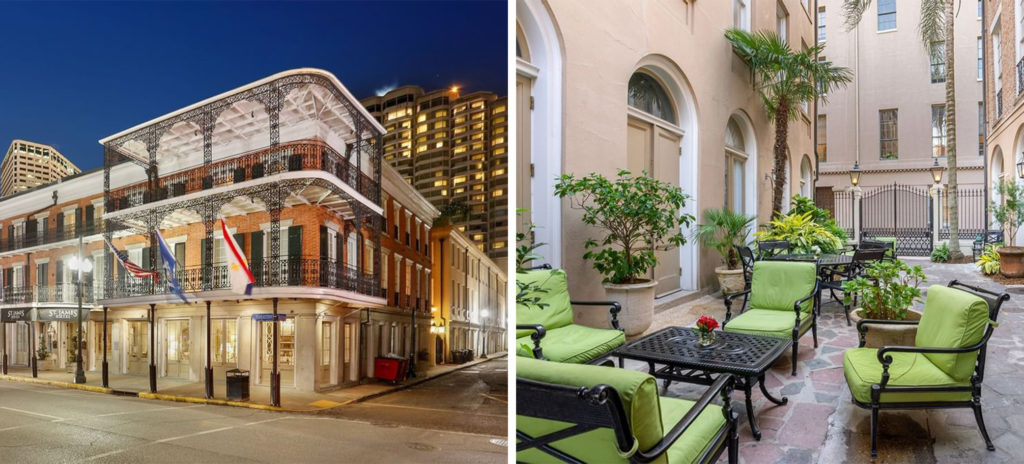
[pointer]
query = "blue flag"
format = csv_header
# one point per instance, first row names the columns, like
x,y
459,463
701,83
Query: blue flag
x,y
169,265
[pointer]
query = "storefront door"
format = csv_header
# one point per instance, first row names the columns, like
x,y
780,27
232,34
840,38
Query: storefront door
x,y
21,343
176,349
71,343
285,350
327,341
347,353
138,347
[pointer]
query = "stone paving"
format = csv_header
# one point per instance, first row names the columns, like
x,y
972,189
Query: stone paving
x,y
820,424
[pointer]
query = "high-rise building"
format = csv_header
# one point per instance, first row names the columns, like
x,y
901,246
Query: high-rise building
x,y
29,164
453,149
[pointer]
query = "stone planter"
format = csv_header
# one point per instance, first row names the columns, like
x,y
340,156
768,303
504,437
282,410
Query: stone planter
x,y
637,302
45,364
1011,261
730,281
880,335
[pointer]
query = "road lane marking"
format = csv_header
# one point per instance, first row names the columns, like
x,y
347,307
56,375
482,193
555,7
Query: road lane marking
x,y
145,411
204,432
165,440
55,418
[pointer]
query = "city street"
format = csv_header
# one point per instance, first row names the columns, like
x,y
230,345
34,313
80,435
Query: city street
x,y
470,400
48,425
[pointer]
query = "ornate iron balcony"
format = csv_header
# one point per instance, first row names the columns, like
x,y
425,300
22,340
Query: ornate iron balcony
x,y
55,235
284,272
292,156
65,293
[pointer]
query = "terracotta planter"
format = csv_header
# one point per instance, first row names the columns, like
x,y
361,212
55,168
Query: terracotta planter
x,y
880,335
1011,261
637,302
730,281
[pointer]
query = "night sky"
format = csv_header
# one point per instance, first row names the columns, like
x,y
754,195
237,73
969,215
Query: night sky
x,y
72,73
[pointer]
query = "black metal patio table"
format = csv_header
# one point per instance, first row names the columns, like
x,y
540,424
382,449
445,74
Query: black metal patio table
x,y
822,261
746,357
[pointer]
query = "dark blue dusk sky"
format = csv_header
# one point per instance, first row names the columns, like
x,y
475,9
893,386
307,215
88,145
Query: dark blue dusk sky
x,y
72,73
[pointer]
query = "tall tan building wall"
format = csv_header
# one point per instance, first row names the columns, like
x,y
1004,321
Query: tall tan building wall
x,y
1004,98
575,61
28,165
892,71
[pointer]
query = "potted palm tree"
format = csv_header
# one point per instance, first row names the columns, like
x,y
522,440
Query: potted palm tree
x,y
638,215
723,230
886,291
786,80
1010,213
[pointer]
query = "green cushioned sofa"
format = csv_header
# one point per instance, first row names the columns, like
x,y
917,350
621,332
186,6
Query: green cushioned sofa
x,y
944,369
596,414
550,329
782,299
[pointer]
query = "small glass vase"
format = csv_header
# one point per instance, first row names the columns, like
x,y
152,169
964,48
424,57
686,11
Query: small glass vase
x,y
707,338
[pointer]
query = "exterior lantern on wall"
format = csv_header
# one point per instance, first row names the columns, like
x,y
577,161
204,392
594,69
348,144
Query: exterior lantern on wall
x,y
855,173
1020,165
937,171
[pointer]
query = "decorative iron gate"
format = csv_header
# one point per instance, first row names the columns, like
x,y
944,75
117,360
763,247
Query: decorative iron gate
x,y
900,211
971,204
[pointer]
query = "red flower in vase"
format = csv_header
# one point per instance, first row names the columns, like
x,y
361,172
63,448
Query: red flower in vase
x,y
706,324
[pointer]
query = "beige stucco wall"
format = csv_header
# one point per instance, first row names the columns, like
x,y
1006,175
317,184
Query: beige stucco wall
x,y
602,43
892,70
1006,138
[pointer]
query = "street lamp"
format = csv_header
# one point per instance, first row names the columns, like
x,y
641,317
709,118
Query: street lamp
x,y
80,264
936,171
855,173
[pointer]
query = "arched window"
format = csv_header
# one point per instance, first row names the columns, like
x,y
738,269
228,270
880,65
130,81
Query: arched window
x,y
735,166
805,177
996,177
646,94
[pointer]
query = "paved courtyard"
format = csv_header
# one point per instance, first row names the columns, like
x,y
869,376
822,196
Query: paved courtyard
x,y
821,425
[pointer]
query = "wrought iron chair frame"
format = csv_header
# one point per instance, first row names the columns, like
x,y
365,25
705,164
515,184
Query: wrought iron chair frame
x,y
771,246
849,272
601,407
797,325
995,302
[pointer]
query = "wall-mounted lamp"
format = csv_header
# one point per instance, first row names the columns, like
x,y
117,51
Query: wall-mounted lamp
x,y
855,173
937,171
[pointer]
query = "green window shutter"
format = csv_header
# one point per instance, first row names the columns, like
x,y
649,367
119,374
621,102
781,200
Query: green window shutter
x,y
41,274
203,253
179,254
256,245
295,242
90,216
323,243
338,247
59,268
145,259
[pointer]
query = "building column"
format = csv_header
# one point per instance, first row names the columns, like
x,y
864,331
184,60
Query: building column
x,y
152,348
208,378
106,372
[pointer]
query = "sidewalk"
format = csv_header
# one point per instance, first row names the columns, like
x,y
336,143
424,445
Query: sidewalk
x,y
259,395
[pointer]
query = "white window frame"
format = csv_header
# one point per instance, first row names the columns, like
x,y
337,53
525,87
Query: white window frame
x,y
741,14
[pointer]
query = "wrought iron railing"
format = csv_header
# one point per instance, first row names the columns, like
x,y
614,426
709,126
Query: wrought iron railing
x,y
1020,76
59,293
292,156
54,235
285,272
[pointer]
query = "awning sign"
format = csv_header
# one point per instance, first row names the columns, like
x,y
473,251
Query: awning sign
x,y
56,314
11,315
268,317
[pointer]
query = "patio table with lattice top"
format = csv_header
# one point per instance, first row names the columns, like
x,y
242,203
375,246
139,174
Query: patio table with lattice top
x,y
681,358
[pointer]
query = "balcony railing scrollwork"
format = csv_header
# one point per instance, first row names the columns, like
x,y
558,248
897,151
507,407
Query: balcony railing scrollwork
x,y
285,272
54,235
66,293
292,156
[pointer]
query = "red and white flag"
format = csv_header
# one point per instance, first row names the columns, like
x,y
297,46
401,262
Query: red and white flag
x,y
238,266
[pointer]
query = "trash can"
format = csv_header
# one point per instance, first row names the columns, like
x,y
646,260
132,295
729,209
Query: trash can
x,y
238,385
390,368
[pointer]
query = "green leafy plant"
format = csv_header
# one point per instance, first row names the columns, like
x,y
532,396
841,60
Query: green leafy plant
x,y
941,254
42,352
721,230
639,215
887,289
1010,211
452,212
988,262
801,205
528,294
804,235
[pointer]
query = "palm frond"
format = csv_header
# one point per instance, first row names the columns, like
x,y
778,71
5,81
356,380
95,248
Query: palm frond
x,y
853,11
933,22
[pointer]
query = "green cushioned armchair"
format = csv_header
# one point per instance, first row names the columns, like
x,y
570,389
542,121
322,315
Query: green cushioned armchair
x,y
782,303
944,369
586,413
550,329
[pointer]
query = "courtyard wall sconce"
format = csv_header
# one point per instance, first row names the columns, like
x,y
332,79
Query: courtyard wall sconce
x,y
936,171
855,173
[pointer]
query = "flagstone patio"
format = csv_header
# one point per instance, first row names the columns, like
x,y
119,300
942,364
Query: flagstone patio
x,y
820,424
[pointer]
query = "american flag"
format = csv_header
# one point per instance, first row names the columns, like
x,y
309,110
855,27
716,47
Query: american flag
x,y
129,266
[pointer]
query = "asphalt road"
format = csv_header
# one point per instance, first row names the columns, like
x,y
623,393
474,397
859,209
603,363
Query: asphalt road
x,y
40,424
471,400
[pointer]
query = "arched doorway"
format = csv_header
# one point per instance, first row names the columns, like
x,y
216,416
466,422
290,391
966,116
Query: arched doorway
x,y
539,123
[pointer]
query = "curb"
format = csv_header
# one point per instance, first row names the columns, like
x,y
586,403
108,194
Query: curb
x,y
419,381
239,404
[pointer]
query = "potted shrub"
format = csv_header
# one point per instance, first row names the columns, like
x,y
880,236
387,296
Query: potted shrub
x,y
804,235
43,355
722,230
1010,214
638,215
988,261
886,291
